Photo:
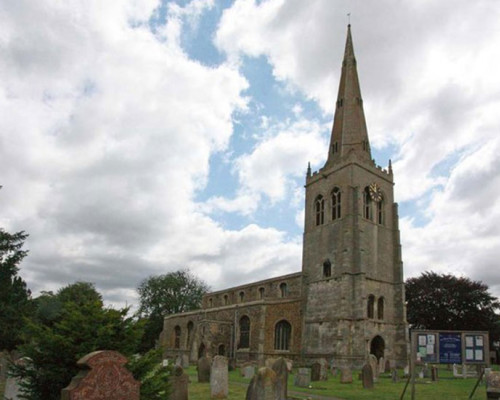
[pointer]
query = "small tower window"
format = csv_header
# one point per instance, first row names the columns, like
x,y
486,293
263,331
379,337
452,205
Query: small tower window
x,y
242,296
283,289
371,306
282,334
380,212
327,269
226,300
210,302
319,207
261,293
244,333
367,204
336,203
380,308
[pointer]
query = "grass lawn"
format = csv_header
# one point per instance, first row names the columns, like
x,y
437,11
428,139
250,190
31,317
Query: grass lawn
x,y
447,388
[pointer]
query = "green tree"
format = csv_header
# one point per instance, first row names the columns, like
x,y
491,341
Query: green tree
x,y
443,302
80,324
15,298
166,294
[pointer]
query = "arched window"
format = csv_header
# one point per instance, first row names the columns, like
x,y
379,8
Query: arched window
x,y
244,333
261,293
327,269
336,205
190,326
210,302
177,337
380,308
226,300
371,306
319,207
283,289
380,212
242,296
282,335
367,204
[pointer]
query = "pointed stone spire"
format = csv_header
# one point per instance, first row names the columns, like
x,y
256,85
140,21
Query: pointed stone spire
x,y
308,173
349,133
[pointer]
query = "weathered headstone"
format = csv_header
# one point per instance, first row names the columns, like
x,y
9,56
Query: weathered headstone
x,y
367,376
493,385
178,361
179,381
263,386
219,380
406,370
387,366
204,366
248,371
381,365
185,361
323,372
345,375
315,371
289,365
281,371
374,364
107,379
434,374
303,377
394,375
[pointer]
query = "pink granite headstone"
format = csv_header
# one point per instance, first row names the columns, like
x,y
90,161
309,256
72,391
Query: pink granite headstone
x,y
106,378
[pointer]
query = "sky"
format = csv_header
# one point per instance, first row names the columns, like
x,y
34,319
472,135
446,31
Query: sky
x,y
140,137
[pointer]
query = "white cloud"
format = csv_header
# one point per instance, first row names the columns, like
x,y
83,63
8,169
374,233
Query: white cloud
x,y
280,155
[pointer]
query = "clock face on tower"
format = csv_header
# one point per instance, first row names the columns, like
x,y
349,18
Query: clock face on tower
x,y
375,192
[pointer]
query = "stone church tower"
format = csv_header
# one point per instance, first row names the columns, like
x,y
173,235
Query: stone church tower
x,y
352,272
348,300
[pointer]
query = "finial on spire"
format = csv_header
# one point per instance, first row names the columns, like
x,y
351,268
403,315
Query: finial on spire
x,y
390,166
349,20
309,169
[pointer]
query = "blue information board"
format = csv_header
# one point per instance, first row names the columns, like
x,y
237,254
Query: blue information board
x,y
450,348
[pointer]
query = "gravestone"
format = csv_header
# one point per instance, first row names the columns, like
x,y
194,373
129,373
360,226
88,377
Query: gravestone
x,y
12,389
204,366
106,378
269,362
248,371
303,377
406,371
434,374
179,382
381,366
374,364
493,385
281,371
178,361
367,376
263,386
394,375
345,375
289,365
219,380
323,372
387,366
315,371
185,361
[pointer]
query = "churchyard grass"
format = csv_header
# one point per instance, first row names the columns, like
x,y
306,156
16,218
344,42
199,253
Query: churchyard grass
x,y
446,388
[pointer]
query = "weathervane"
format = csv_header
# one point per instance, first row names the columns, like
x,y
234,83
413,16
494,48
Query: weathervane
x,y
349,18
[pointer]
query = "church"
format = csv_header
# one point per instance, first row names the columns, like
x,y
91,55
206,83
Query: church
x,y
348,301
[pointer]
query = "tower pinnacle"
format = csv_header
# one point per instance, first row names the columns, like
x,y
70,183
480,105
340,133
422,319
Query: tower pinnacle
x,y
349,133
